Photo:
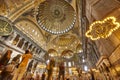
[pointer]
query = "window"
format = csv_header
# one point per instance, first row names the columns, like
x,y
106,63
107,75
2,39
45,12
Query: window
x,y
16,40
85,68
25,46
30,47
69,64
65,64
20,43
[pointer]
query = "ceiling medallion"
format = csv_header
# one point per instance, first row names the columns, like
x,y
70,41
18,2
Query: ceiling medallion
x,y
56,16
102,29
6,26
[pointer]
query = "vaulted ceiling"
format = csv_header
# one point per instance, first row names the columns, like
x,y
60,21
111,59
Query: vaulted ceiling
x,y
23,14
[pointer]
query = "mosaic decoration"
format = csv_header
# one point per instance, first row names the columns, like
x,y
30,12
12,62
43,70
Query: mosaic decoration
x,y
67,54
64,40
79,48
56,16
52,53
102,29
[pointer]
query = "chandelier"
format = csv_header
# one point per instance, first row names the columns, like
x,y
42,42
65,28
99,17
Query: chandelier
x,y
56,16
102,29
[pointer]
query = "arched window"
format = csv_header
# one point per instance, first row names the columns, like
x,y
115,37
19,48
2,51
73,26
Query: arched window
x,y
25,46
20,44
16,40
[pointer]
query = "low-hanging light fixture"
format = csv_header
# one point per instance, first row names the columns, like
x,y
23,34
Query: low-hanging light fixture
x,y
102,29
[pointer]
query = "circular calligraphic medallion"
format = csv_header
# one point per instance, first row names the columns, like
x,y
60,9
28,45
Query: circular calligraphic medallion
x,y
5,26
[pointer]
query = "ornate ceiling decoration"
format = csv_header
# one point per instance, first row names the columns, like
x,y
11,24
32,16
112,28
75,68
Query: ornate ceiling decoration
x,y
67,54
29,28
8,6
64,40
79,48
56,16
69,1
3,7
52,53
102,29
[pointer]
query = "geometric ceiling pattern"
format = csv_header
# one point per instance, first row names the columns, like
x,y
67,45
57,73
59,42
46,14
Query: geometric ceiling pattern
x,y
64,40
79,48
67,54
61,20
56,16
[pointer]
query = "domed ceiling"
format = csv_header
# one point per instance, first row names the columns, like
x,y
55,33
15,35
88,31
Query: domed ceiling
x,y
64,42
56,16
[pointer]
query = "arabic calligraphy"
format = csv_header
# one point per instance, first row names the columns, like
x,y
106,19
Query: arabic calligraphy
x,y
5,29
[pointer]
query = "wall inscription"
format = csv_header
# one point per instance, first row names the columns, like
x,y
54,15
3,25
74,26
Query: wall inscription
x,y
5,27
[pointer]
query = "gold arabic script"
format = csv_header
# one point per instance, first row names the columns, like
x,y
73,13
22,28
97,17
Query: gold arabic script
x,y
5,29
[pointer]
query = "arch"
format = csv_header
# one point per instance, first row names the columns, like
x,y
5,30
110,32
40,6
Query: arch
x,y
79,48
31,29
67,53
52,52
17,58
22,10
20,19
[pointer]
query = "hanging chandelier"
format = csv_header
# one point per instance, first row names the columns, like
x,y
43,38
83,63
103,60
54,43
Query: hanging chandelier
x,y
102,29
56,16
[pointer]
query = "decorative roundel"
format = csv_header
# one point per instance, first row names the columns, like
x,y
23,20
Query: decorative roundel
x,y
56,16
6,26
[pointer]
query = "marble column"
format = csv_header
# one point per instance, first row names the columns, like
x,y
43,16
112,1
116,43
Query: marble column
x,y
73,63
28,45
14,35
23,44
32,48
35,50
19,41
